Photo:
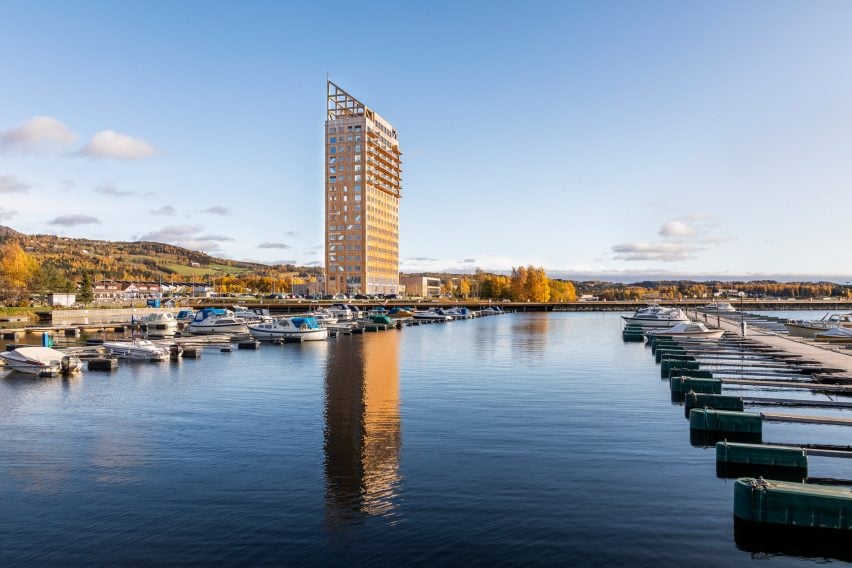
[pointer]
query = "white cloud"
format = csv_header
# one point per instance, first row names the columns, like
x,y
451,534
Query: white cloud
x,y
73,220
36,134
112,144
113,191
677,229
164,210
271,245
665,252
217,210
187,236
12,184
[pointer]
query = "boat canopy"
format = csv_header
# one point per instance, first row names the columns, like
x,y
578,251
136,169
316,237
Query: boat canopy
x,y
311,323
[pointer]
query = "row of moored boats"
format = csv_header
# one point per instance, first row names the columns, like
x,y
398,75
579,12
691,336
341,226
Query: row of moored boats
x,y
655,320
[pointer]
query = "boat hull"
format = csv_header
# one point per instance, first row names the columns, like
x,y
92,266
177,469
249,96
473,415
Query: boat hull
x,y
210,329
320,334
653,322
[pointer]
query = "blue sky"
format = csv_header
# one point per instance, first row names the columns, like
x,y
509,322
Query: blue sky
x,y
592,138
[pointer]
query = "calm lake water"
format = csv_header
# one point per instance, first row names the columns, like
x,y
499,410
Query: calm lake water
x,y
520,439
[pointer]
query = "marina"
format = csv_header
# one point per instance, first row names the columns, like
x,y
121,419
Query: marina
x,y
428,397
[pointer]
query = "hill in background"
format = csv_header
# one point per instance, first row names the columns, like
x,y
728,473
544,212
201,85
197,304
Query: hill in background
x,y
140,260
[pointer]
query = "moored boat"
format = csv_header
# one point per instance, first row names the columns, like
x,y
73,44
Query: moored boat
x,y
160,324
810,328
687,329
213,320
835,335
657,316
717,308
289,329
432,315
40,361
137,350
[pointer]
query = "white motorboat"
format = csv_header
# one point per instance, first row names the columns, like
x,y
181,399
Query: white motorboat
x,y
40,361
212,320
717,308
687,329
324,317
835,335
432,315
252,315
459,313
345,312
810,328
657,316
160,324
289,329
137,350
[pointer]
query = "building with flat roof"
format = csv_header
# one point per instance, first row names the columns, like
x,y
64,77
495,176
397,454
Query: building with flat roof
x,y
362,192
422,286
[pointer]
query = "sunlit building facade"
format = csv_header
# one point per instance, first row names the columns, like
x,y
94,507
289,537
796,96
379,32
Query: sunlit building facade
x,y
362,191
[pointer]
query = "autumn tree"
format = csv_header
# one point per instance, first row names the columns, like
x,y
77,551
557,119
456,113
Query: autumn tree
x,y
464,287
448,287
16,270
530,284
562,291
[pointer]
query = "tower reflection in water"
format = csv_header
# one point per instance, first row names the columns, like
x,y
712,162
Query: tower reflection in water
x,y
362,427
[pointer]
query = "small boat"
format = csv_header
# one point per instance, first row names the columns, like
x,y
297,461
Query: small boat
x,y
835,335
810,328
289,329
160,324
214,320
252,315
137,350
491,311
401,312
185,316
324,317
345,312
657,316
40,361
717,308
687,329
432,315
459,313
380,318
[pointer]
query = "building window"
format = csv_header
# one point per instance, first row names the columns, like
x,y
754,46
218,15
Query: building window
x,y
332,140
332,150
357,147
332,159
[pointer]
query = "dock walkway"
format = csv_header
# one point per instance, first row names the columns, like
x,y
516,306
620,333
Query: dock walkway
x,y
826,355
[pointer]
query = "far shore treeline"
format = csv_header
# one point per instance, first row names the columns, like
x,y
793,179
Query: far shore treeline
x,y
33,265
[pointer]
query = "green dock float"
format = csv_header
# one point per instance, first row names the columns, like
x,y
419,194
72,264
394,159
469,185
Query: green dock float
x,y
633,333
659,353
761,460
685,384
725,421
707,427
667,367
693,373
793,505
694,399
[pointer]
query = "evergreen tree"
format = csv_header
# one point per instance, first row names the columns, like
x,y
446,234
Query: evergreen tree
x,y
86,295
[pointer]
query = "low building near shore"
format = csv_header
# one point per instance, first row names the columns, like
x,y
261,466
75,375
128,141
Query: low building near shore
x,y
61,299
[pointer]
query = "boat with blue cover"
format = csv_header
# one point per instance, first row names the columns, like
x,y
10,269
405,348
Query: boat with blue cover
x,y
289,329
